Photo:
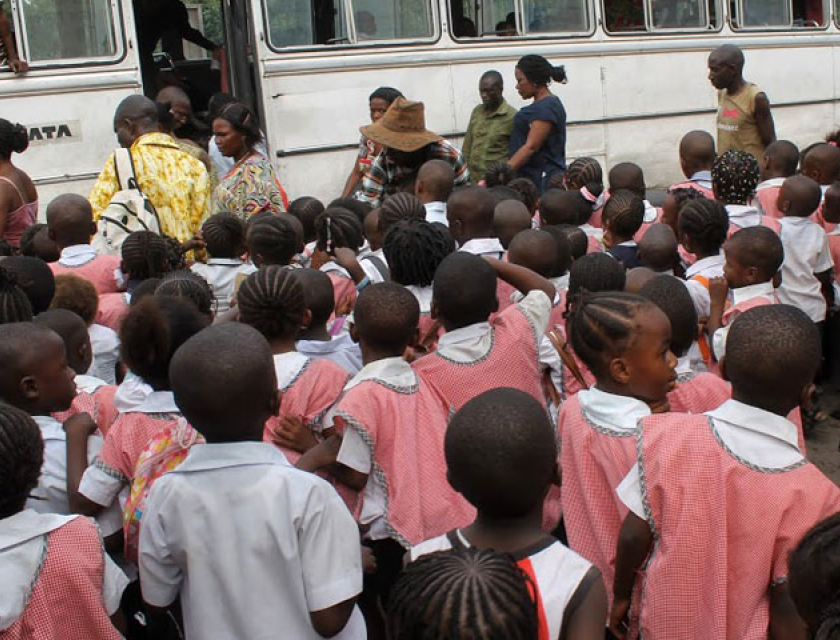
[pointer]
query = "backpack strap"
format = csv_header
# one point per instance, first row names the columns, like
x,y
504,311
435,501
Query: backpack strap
x,y
379,264
568,359
124,168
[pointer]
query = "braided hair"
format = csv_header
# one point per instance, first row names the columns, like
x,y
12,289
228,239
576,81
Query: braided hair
x,y
603,324
359,208
174,254
14,303
814,579
585,172
735,175
463,593
596,272
529,192
14,138
306,209
540,71
624,213
684,195
499,174
273,301
21,457
338,227
186,285
144,255
224,234
414,249
706,224
398,207
272,240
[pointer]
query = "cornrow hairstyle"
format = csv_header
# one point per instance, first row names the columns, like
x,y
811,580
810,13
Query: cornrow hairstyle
x,y
144,255
272,301
671,295
585,172
602,325
735,175
242,119
414,250
596,272
151,333
224,234
14,138
145,288
77,295
540,71
529,192
706,224
306,209
499,174
814,579
398,207
187,285
273,240
174,255
338,227
35,278
684,195
14,304
564,207
624,213
357,207
21,458
463,593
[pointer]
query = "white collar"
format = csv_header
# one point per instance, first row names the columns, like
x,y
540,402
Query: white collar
x,y
424,296
835,231
51,429
131,393
158,402
684,364
340,342
28,524
464,334
561,283
209,456
225,262
743,215
395,372
743,294
610,410
705,263
795,221
757,420
592,232
87,383
702,176
651,213
768,184
482,246
364,250
76,255
334,267
288,366
628,243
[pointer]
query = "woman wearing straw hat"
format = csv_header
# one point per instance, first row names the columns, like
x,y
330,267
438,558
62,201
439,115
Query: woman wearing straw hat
x,y
407,145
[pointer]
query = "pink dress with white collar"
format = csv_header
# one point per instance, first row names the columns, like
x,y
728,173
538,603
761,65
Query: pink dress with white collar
x,y
82,261
767,196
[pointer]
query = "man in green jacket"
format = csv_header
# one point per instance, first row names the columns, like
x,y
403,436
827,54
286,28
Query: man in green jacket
x,y
490,126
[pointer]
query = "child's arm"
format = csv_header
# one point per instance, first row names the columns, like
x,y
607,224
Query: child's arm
x,y
634,543
329,622
826,279
589,618
347,259
325,455
785,623
78,428
718,290
521,278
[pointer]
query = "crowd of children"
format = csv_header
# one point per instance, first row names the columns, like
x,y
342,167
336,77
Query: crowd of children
x,y
473,412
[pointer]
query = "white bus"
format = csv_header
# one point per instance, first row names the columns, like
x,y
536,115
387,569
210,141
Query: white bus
x,y
637,73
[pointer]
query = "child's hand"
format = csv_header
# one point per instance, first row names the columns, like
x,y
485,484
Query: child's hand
x,y
368,560
80,424
618,618
345,257
319,259
196,242
660,406
293,434
344,307
718,290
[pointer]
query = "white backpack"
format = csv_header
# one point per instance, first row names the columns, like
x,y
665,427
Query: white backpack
x,y
128,211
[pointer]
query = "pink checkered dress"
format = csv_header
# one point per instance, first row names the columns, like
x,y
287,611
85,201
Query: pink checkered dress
x,y
722,528
113,307
768,198
126,440
690,184
699,393
99,272
737,309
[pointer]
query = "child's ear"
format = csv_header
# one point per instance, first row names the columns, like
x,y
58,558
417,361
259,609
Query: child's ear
x,y
306,320
29,388
274,404
752,273
91,231
495,305
722,366
354,333
434,311
777,280
806,398
619,371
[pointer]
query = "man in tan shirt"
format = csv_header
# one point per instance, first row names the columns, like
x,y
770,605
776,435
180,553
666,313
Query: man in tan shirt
x,y
744,121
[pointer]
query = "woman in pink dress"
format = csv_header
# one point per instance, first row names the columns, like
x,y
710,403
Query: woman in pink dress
x,y
18,197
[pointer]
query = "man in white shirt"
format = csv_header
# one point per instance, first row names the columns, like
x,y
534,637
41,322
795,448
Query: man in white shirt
x,y
254,547
470,212
434,185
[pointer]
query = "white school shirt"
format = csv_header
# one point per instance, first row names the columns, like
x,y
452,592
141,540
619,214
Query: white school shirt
x,y
484,247
24,541
592,232
357,455
711,267
743,216
340,349
50,496
105,344
370,268
651,213
702,178
221,274
750,434
740,295
806,253
251,544
76,255
436,212
424,296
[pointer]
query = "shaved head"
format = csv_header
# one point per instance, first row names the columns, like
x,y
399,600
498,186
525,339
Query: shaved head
x,y
637,278
658,248
70,220
470,211
697,151
510,217
822,163
627,175
536,250
781,158
435,181
173,95
729,54
799,197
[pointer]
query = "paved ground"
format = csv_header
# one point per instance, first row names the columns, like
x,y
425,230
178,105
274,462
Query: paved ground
x,y
822,442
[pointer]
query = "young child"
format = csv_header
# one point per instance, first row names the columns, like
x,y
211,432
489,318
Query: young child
x,y
71,225
14,304
623,216
470,211
700,486
808,270
35,279
528,193
821,163
543,254
586,176
400,206
36,242
735,176
79,296
287,553
658,250
415,249
509,218
306,209
501,352
781,159
454,593
697,155
624,340
339,229
703,226
271,240
831,215
58,582
675,200
191,287
272,300
314,341
572,208
576,237
627,175
435,182
224,235
508,495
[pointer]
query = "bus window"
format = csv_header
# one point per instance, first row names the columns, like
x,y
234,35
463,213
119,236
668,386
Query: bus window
x,y
632,16
302,23
555,16
769,14
480,20
56,30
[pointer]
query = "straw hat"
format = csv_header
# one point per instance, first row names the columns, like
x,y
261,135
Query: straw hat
x,y
403,127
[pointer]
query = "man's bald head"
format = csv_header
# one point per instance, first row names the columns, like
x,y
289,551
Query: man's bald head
x,y
470,213
70,220
136,108
134,117
173,95
697,152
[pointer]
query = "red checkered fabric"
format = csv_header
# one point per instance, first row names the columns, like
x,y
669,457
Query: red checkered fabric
x,y
769,198
737,309
699,394
66,600
512,361
82,403
723,529
689,184
112,310
106,411
343,289
128,437
593,460
99,272
309,397
404,430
